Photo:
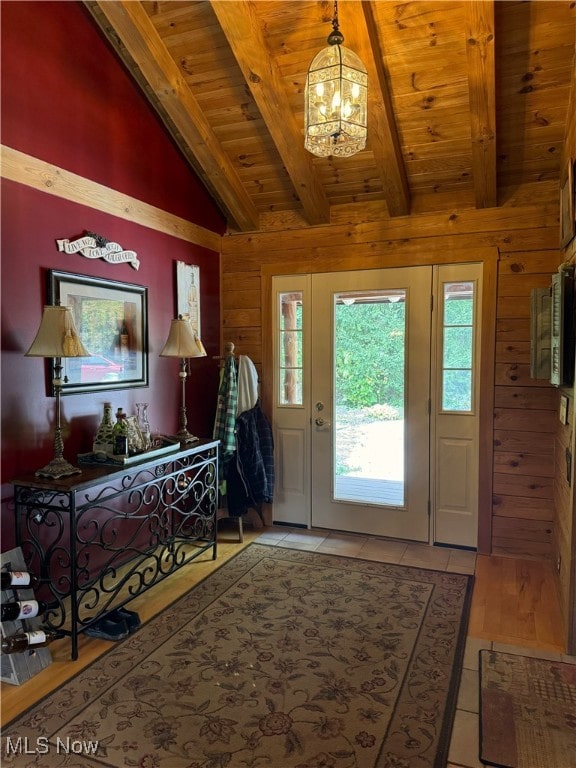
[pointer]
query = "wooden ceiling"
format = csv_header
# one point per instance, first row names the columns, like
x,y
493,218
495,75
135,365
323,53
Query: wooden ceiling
x,y
468,100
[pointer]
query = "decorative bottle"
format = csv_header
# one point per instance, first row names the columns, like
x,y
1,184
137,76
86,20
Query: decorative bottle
x,y
22,610
17,580
120,434
23,641
103,442
144,424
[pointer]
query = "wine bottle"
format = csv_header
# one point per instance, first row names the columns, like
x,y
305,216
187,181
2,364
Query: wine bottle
x,y
17,579
23,641
120,434
22,609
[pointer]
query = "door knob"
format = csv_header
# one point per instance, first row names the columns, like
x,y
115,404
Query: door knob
x,y
321,423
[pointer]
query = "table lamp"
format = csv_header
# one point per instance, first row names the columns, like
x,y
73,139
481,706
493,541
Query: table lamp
x,y
57,337
183,342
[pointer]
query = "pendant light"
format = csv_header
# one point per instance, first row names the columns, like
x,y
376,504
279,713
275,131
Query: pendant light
x,y
336,99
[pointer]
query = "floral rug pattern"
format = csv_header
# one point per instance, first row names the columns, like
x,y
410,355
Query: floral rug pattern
x,y
279,659
527,711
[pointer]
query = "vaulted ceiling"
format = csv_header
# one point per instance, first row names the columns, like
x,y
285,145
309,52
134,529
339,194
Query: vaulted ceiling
x,y
468,99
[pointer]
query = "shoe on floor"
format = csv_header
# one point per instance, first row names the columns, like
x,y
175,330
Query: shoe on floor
x,y
105,629
131,618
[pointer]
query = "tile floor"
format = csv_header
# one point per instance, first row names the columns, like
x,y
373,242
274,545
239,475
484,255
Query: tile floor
x,y
464,746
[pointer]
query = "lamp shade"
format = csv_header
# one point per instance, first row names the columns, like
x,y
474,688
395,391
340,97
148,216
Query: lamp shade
x,y
182,341
57,335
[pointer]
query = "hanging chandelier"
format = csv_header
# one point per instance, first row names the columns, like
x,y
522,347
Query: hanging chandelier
x,y
336,99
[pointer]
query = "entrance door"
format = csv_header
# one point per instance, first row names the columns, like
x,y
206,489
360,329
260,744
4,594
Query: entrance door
x,y
370,392
375,404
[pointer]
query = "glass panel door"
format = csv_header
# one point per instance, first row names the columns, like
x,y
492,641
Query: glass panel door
x,y
369,396
370,401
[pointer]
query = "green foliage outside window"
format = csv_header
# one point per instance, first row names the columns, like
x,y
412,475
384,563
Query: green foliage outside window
x,y
369,361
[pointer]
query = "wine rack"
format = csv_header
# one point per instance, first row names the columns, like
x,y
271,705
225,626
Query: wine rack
x,y
17,668
99,539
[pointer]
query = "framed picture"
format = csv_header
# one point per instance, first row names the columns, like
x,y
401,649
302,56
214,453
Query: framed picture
x,y
567,212
188,293
112,320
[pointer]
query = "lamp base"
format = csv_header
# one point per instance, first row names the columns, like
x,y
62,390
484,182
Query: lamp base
x,y
58,467
185,437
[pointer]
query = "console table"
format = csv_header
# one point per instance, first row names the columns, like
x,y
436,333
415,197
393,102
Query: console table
x,y
98,539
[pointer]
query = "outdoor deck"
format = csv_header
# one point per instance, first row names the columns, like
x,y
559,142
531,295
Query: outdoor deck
x,y
368,491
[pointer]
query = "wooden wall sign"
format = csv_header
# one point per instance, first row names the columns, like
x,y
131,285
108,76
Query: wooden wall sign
x,y
93,246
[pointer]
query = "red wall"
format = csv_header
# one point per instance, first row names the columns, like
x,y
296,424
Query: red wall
x,y
67,100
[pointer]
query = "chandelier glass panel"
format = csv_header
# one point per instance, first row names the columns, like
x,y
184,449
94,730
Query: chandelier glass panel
x,y
336,99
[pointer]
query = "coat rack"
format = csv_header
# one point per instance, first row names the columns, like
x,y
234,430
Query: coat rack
x,y
229,347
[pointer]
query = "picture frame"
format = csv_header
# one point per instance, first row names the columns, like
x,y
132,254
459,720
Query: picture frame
x,y
188,294
567,209
111,318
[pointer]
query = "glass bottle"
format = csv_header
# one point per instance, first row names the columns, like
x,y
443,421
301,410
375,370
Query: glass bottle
x,y
120,434
103,442
144,424
23,641
22,610
17,579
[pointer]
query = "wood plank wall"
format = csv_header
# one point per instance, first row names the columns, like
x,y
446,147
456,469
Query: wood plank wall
x,y
524,415
520,521
565,490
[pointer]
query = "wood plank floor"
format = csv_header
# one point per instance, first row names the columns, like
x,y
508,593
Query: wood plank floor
x,y
514,601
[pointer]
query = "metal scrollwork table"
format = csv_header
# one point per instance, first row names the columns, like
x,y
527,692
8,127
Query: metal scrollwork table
x,y
99,539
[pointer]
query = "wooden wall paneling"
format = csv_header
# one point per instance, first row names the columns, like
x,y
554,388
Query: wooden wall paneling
x,y
241,318
563,506
523,262
526,397
511,328
520,413
513,352
486,384
527,464
326,255
523,485
515,375
524,442
525,412
527,530
241,281
521,284
535,420
529,548
524,508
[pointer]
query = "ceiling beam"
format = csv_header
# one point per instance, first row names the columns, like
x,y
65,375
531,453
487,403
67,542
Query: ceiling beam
x,y
147,53
480,54
361,36
240,25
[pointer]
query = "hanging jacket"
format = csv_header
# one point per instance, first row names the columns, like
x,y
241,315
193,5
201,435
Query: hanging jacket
x,y
225,421
250,478
247,384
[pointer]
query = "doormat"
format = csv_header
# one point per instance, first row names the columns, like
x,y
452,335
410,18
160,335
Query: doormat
x,y
280,658
527,712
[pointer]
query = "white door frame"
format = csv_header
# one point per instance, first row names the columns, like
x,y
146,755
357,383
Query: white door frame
x,y
412,254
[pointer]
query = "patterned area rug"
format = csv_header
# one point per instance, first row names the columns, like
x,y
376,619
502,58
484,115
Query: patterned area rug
x,y
527,712
279,659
